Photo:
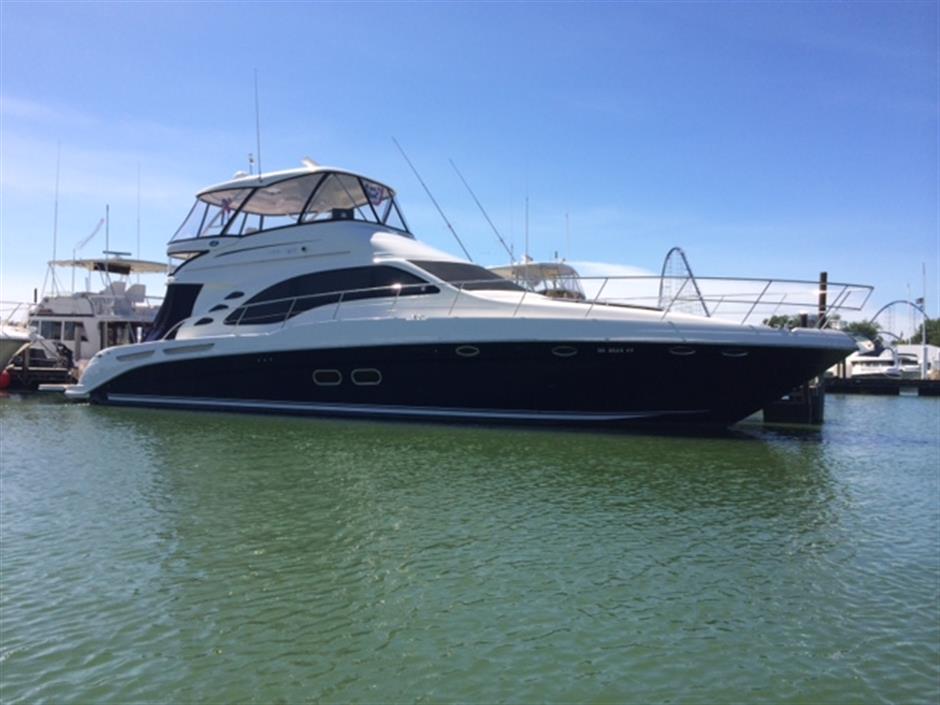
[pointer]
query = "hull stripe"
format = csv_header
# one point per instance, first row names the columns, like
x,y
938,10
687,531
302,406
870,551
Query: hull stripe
x,y
372,410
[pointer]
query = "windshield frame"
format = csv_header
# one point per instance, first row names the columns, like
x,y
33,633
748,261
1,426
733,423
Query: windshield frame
x,y
205,201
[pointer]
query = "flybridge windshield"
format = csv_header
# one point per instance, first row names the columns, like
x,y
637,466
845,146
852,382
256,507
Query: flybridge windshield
x,y
308,198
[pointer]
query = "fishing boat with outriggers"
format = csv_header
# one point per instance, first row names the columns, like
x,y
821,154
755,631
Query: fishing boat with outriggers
x,y
305,292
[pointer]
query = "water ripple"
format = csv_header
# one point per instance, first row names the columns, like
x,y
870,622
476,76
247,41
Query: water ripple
x,y
174,557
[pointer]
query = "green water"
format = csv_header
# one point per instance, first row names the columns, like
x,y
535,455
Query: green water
x,y
175,557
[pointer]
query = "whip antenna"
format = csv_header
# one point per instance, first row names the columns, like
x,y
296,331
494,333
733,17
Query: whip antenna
x,y
81,245
428,192
138,218
55,217
258,124
482,210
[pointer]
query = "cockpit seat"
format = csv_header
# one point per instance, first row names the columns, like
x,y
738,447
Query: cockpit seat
x,y
136,293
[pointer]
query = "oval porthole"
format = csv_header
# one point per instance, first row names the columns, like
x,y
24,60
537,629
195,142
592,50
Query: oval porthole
x,y
735,353
366,377
467,351
327,378
235,295
203,322
218,307
681,350
564,351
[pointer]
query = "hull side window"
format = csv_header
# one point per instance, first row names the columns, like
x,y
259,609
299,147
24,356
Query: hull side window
x,y
294,296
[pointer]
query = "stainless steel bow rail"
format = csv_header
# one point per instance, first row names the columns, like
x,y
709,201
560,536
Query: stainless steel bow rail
x,y
736,299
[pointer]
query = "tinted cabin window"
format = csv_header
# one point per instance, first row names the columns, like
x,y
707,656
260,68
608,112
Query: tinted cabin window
x,y
177,305
467,276
73,331
50,330
298,294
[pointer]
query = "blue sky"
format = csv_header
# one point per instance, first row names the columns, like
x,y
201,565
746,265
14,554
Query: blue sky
x,y
766,139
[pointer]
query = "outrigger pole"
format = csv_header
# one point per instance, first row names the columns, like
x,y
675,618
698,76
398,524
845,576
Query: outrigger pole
x,y
428,192
482,210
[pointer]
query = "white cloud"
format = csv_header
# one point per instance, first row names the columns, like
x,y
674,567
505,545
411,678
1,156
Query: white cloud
x,y
29,110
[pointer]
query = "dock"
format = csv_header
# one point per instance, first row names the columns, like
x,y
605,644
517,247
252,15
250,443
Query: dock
x,y
32,377
804,405
882,386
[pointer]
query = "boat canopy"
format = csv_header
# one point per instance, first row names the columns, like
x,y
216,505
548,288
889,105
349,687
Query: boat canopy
x,y
249,204
115,265
554,279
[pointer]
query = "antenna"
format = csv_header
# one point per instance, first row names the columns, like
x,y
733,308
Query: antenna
x,y
428,192
138,217
567,237
55,215
81,245
924,365
107,227
526,254
482,210
258,123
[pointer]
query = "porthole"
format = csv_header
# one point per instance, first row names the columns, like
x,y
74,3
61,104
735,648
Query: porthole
x,y
735,353
327,378
681,350
366,377
235,295
467,351
564,351
203,322
218,307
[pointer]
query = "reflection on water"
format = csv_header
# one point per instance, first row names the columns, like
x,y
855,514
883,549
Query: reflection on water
x,y
173,556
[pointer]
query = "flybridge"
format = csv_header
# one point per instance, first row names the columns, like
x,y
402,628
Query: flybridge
x,y
252,204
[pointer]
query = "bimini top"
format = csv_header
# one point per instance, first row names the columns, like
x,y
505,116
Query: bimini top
x,y
115,265
249,204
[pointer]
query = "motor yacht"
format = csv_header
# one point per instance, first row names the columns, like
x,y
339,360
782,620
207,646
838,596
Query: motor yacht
x,y
888,363
305,292
72,326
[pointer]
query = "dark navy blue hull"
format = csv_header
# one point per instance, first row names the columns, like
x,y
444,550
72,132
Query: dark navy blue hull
x,y
596,384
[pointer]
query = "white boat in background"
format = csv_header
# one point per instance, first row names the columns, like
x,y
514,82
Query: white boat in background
x,y
78,324
556,280
896,362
